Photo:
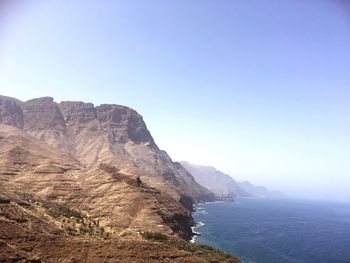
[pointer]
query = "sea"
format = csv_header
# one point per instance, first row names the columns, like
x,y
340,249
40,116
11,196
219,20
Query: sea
x,y
276,231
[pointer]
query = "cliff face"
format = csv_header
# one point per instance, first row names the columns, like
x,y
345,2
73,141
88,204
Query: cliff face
x,y
223,185
89,157
11,112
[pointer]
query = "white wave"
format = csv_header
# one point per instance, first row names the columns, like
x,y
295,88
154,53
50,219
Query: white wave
x,y
199,224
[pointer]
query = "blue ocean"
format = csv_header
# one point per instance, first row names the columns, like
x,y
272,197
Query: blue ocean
x,y
277,231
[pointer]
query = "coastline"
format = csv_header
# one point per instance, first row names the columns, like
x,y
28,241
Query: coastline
x,y
196,233
198,209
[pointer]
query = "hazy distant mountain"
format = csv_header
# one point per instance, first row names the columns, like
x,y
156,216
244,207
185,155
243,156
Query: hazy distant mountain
x,y
223,185
260,191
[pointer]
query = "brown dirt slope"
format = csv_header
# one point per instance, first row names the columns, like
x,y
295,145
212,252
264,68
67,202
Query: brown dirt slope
x,y
34,230
109,195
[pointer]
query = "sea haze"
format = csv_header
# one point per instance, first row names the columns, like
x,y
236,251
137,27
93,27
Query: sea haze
x,y
281,231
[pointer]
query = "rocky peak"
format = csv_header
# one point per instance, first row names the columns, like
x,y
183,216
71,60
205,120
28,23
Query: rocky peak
x,y
77,112
124,124
11,112
42,113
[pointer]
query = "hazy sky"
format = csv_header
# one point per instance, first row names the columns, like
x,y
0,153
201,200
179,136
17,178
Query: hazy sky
x,y
259,89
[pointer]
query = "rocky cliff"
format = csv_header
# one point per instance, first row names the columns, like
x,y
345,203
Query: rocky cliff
x,y
90,157
31,166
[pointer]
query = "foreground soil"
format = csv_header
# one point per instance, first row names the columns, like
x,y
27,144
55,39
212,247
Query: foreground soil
x,y
63,249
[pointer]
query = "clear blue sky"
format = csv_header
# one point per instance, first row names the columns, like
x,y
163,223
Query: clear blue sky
x,y
257,88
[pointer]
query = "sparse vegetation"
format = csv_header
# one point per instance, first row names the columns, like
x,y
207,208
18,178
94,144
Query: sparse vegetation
x,y
206,252
61,210
78,224
154,236
73,222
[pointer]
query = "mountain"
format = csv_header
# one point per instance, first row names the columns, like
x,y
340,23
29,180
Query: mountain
x,y
90,158
33,167
260,191
108,133
223,185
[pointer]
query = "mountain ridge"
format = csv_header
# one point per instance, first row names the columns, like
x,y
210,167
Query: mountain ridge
x,y
225,186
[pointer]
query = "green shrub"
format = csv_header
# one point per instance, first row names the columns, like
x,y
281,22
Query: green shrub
x,y
154,236
57,210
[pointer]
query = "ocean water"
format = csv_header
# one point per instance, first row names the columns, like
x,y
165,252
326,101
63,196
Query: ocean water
x,y
277,231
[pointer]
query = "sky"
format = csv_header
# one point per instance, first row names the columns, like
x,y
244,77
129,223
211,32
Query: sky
x,y
259,89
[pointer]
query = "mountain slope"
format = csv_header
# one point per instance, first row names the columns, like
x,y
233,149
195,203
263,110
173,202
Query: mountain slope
x,y
109,195
37,231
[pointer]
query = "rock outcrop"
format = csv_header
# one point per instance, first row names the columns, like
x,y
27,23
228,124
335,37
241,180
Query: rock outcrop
x,y
11,112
